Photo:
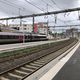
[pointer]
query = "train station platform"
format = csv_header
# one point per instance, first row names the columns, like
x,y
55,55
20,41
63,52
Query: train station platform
x,y
71,70
67,68
9,47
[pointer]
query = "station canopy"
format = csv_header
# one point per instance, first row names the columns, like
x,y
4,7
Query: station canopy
x,y
13,8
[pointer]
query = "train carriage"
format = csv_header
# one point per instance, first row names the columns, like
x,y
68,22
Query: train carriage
x,y
12,37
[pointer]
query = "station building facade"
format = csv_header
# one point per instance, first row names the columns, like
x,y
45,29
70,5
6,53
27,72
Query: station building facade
x,y
40,28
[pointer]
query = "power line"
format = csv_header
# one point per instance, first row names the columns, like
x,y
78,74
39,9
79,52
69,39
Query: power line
x,y
48,4
3,7
42,14
55,4
52,8
19,7
34,5
8,4
11,4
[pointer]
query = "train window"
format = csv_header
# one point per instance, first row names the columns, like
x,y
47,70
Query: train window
x,y
15,37
0,30
8,37
26,37
29,36
36,37
12,37
5,37
1,36
24,28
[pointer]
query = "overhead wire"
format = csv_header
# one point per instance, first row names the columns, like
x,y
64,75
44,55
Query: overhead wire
x,y
31,4
47,8
23,8
19,7
7,4
55,4
60,8
52,8
48,4
34,5
27,2
16,6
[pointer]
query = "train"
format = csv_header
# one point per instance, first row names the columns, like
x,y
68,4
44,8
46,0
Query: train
x,y
18,37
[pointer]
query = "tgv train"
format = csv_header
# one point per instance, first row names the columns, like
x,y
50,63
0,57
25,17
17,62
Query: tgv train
x,y
11,37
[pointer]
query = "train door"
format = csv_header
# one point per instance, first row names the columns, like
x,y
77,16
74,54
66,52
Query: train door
x,y
20,38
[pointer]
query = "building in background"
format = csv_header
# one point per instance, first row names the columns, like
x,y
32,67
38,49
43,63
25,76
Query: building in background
x,y
4,28
36,28
1,25
24,28
40,28
73,32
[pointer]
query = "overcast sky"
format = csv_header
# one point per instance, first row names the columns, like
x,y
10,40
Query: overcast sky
x,y
10,8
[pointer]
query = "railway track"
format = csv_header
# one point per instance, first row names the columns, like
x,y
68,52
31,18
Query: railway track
x,y
23,71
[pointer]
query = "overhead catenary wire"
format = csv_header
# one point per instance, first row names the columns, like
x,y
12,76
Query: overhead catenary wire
x,y
59,8
48,4
9,4
55,4
17,7
34,5
42,14
24,10
52,8
14,5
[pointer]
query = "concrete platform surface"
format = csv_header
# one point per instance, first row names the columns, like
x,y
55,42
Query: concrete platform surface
x,y
71,70
27,44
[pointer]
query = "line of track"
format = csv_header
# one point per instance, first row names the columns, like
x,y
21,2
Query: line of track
x,y
21,72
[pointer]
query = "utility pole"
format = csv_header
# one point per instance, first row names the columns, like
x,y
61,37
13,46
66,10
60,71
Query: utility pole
x,y
21,25
6,22
33,23
47,28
